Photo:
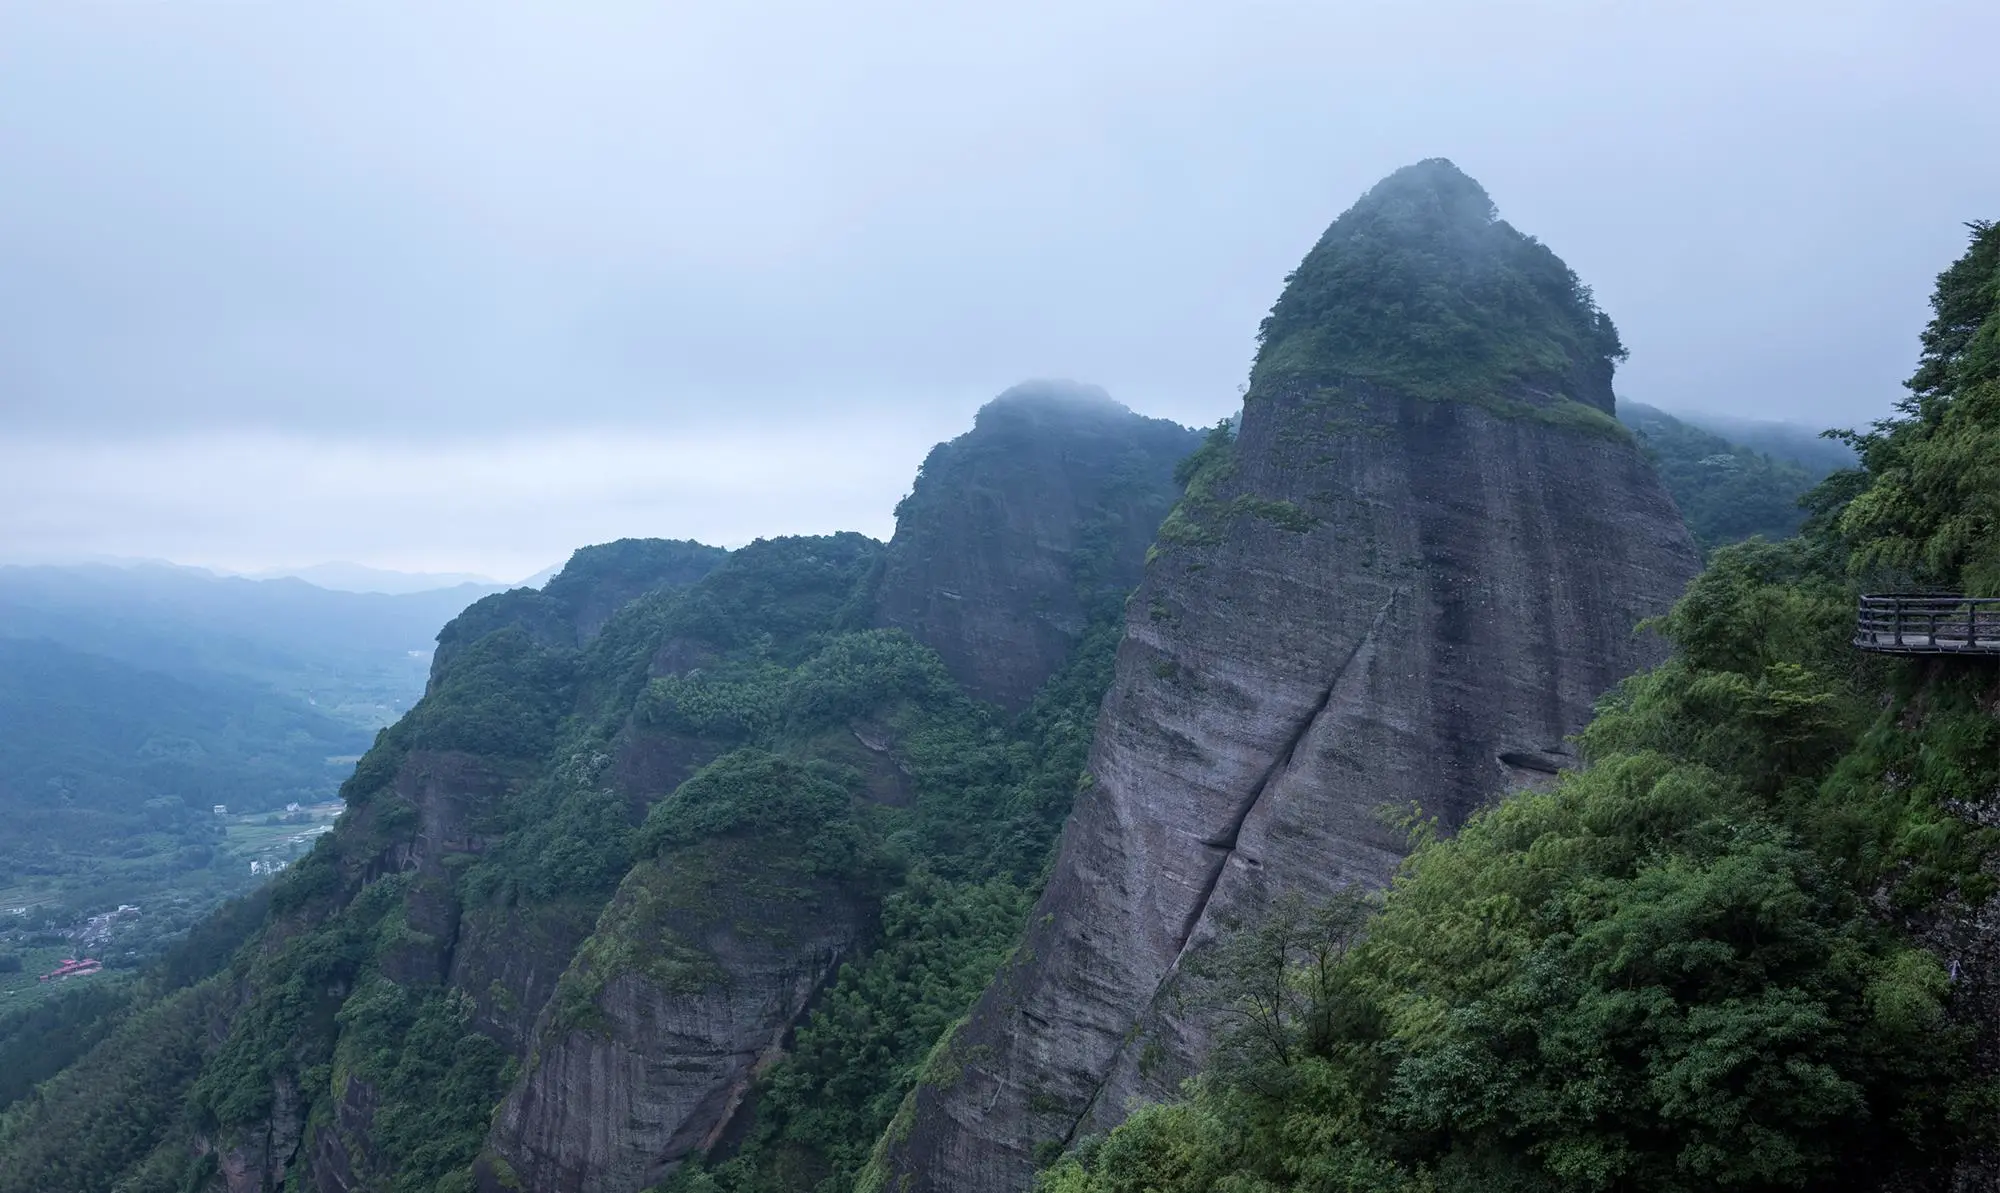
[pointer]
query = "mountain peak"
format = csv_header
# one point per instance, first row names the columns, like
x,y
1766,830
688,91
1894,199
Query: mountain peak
x,y
1063,483
1055,396
1433,188
1422,288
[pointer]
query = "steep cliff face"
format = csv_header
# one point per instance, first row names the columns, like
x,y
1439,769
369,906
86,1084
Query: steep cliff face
x,y
1016,532
423,982
695,974
1404,582
586,889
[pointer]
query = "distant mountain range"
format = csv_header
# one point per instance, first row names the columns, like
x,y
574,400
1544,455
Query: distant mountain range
x,y
1796,442
359,657
135,696
356,577
336,576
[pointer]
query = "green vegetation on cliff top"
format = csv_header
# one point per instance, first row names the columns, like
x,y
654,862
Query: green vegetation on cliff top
x,y
970,852
1420,288
1694,963
1930,513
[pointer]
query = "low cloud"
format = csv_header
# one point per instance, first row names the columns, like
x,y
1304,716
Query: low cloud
x,y
500,507
305,230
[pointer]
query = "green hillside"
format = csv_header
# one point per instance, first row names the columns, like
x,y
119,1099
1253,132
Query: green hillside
x,y
1726,492
109,773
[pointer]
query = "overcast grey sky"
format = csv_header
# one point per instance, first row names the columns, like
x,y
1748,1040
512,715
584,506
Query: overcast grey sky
x,y
462,286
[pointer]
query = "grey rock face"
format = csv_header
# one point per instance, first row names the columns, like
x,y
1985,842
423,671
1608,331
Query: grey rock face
x,y
336,1165
1017,530
1381,602
261,1160
648,1049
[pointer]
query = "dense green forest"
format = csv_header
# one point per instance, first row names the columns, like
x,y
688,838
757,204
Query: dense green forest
x,y
968,853
1698,962
1418,287
1726,492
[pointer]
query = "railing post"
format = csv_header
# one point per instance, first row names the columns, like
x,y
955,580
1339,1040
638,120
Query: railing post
x,y
1928,624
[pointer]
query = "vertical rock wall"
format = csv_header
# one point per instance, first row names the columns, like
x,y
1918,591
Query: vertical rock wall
x,y
1377,601
1018,530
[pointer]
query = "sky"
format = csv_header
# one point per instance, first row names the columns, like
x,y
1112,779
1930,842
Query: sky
x,y
462,286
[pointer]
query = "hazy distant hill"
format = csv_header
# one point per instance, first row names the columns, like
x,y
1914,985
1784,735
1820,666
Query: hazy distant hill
x,y
1799,443
102,761
135,698
361,657
356,577
1729,489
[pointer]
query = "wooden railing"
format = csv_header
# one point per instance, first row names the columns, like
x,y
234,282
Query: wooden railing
x,y
1928,623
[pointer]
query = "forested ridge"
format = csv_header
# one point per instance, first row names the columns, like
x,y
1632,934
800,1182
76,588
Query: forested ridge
x,y
1722,953
693,841
667,757
1726,492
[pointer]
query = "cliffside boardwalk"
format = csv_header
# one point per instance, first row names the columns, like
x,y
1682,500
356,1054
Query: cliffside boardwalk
x,y
1928,623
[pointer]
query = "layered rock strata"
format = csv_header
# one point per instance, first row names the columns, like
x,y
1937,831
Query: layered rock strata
x,y
1372,601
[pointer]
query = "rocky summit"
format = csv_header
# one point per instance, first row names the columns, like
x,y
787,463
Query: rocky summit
x,y
1020,533
1400,586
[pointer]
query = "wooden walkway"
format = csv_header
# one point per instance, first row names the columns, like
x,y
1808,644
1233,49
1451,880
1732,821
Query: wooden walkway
x,y
1928,623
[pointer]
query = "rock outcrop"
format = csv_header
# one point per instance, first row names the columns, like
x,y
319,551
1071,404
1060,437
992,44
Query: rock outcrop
x,y
1403,583
695,975
600,580
435,795
1017,532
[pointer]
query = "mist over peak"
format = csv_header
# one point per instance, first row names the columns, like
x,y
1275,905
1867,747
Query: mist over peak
x,y
1420,286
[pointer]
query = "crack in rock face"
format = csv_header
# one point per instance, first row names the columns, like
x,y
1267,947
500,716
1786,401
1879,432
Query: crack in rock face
x,y
1228,850
1436,585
